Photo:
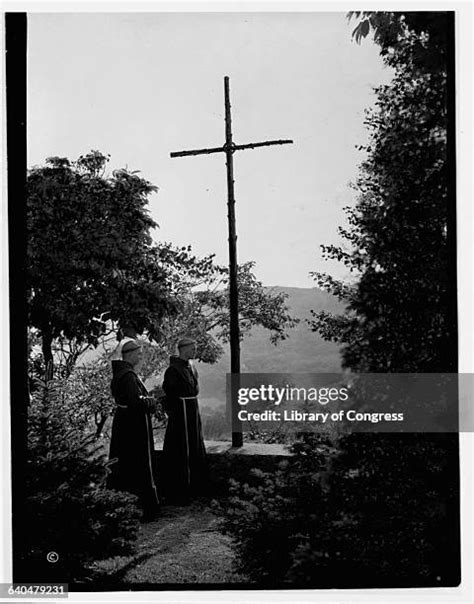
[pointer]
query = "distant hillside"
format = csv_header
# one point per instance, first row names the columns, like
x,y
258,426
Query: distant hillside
x,y
302,352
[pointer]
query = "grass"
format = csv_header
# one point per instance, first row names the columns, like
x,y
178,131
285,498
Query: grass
x,y
184,546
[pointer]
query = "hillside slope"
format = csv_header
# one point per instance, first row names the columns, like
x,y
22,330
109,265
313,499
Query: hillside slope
x,y
302,352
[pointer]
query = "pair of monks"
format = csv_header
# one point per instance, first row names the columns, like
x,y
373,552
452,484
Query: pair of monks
x,y
183,472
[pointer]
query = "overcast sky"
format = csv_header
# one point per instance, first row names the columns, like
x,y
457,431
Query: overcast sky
x,y
138,86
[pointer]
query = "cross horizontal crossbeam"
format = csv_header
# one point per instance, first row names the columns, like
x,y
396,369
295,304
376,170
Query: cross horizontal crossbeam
x,y
224,148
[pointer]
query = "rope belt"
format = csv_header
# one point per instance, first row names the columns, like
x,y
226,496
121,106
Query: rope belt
x,y
122,406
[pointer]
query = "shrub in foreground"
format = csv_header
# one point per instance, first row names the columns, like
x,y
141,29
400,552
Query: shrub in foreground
x,y
377,511
67,509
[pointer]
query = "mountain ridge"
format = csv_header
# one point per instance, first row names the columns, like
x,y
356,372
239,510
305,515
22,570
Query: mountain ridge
x,y
303,351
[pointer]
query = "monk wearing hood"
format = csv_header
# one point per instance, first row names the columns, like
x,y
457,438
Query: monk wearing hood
x,y
183,449
131,445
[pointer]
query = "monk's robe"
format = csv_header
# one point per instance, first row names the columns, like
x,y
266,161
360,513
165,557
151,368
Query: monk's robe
x,y
184,454
131,445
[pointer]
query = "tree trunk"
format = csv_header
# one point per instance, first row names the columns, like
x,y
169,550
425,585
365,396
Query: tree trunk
x,y
47,341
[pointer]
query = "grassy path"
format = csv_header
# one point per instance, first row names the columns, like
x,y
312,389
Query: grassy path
x,y
185,545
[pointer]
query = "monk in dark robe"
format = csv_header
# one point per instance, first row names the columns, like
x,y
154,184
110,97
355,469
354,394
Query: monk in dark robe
x,y
184,454
131,445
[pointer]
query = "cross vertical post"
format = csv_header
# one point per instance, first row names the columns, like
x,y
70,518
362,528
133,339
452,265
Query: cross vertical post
x,y
229,149
237,439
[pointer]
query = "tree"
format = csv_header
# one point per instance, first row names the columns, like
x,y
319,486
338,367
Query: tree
x,y
430,28
204,315
399,311
90,254
257,306
401,314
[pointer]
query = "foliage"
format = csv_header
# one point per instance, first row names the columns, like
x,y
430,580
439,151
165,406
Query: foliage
x,y
392,505
67,508
257,306
86,400
342,514
204,315
280,434
90,255
88,397
399,314
267,515
389,29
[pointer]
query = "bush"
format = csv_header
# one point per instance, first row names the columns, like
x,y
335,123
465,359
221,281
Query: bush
x,y
268,516
378,511
67,508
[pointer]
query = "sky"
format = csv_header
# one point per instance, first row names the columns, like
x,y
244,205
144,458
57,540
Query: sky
x,y
138,86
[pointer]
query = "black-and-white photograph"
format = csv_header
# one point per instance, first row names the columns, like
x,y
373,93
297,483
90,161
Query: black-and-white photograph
x,y
221,225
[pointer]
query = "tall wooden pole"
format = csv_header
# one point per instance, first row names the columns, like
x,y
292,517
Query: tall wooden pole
x,y
229,149
237,439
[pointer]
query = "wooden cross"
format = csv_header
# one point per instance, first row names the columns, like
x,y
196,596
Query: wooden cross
x,y
229,148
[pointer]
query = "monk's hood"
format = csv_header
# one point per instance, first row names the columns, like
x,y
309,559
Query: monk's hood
x,y
120,368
